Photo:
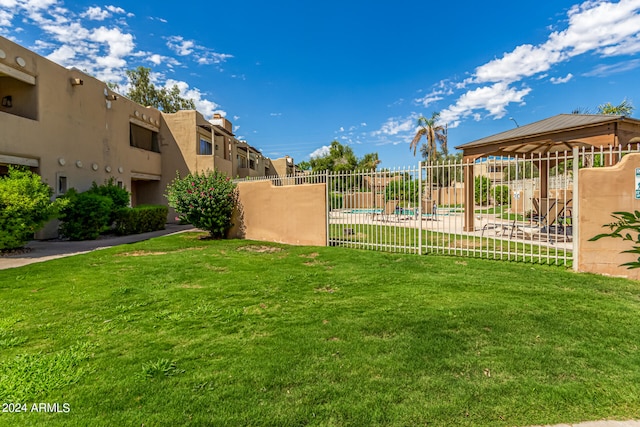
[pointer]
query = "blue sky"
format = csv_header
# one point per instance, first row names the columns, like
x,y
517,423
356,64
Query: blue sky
x,y
293,76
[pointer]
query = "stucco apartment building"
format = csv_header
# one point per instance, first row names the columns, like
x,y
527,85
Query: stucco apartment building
x,y
73,130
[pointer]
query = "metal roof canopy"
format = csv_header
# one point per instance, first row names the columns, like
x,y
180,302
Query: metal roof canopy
x,y
557,133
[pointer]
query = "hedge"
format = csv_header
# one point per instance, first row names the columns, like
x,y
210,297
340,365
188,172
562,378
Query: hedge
x,y
140,219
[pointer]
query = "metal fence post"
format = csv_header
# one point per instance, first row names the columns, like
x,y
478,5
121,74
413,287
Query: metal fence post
x,y
328,205
419,216
575,226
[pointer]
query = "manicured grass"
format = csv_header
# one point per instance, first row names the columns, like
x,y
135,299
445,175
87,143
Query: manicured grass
x,y
404,239
179,331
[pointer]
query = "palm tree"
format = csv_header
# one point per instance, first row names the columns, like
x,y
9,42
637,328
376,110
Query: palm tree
x,y
434,133
625,108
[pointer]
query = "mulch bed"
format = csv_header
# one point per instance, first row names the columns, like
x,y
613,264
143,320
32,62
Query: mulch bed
x,y
13,252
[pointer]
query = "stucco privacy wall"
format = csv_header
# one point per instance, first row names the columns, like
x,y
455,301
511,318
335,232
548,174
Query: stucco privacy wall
x,y
294,215
603,191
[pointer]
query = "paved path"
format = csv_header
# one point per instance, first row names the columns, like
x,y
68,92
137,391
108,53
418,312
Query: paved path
x,y
44,250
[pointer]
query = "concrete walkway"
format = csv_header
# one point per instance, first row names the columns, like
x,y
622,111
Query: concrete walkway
x,y
44,250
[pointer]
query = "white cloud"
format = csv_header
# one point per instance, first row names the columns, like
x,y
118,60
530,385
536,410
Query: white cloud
x,y
202,55
96,14
603,27
600,27
607,70
156,59
62,55
320,152
6,19
559,80
395,125
180,46
493,99
204,106
118,10
430,98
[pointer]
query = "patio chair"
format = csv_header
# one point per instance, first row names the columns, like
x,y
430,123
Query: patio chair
x,y
551,226
544,206
507,228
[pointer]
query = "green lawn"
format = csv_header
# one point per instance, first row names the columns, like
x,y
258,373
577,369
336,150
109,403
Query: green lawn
x,y
179,331
405,239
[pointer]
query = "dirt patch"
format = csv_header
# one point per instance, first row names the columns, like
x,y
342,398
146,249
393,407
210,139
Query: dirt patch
x,y
217,269
326,288
260,249
196,236
149,253
461,262
312,255
192,286
141,253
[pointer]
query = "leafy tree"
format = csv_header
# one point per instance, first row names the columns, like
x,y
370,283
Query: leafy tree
x,y
25,206
206,200
442,172
305,166
144,92
404,190
341,158
433,133
368,162
524,170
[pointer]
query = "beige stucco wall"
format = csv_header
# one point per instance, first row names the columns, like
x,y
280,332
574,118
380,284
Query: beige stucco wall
x,y
294,215
362,200
603,191
76,131
283,166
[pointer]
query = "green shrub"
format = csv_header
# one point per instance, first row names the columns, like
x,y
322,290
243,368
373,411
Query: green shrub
x,y
25,206
119,196
336,201
501,195
206,200
404,190
482,190
86,215
624,225
140,219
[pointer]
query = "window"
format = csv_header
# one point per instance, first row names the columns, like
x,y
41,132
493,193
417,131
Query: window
x,y
205,148
143,138
18,95
62,184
